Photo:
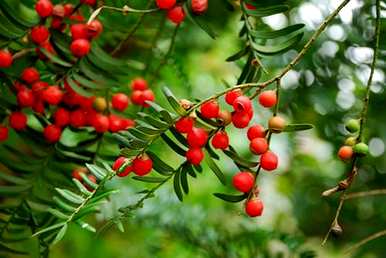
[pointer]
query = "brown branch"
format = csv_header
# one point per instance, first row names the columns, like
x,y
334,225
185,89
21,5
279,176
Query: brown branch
x,y
366,240
365,194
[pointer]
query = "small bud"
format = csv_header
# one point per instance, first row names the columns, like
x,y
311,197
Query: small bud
x,y
352,125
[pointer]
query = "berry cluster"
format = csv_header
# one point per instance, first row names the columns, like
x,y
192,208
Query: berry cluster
x,y
141,166
351,145
176,13
197,138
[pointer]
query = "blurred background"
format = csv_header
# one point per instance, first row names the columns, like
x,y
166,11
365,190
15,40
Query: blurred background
x,y
325,89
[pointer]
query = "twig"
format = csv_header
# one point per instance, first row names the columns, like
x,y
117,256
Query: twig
x,y
22,53
363,115
365,194
366,240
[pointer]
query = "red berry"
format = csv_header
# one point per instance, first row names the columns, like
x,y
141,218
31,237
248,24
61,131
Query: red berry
x,y
101,123
52,133
6,59
18,121
254,207
268,98
199,6
25,98
139,84
127,123
30,75
220,140
62,117
184,124
3,133
38,106
259,146
197,137
94,28
118,163
125,172
80,47
77,18
39,34
115,123
242,104
78,172
250,7
269,161
142,165
136,97
345,152
44,8
256,131
232,95
48,47
58,24
194,155
78,118
176,14
243,181
165,4
68,9
79,31
52,95
210,109
147,95
120,101
240,119
19,86
88,2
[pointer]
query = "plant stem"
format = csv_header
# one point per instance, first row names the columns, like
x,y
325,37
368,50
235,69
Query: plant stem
x,y
366,240
365,194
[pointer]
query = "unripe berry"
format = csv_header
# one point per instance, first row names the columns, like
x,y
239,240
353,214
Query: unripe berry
x,y
3,133
242,104
268,98
232,95
78,118
79,31
52,95
199,6
254,207
276,124
259,146
52,133
165,4
352,125
194,156
269,161
95,28
126,171
118,163
256,131
78,172
30,75
100,104
62,117
39,34
243,181
176,14
115,123
361,149
120,101
101,123
240,119
350,141
6,59
210,109
220,140
17,121
345,152
58,11
139,84
225,117
80,47
44,8
184,124
142,165
25,98
197,137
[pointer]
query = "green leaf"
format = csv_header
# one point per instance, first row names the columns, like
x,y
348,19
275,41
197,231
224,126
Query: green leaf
x,y
231,198
4,248
86,226
70,196
159,165
87,83
184,180
55,59
154,122
297,127
238,160
98,172
12,190
78,89
270,34
177,186
89,182
238,55
216,170
278,48
58,214
71,138
173,101
60,234
262,11
13,179
199,22
179,137
166,115
18,12
173,145
81,187
149,179
50,228
63,205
